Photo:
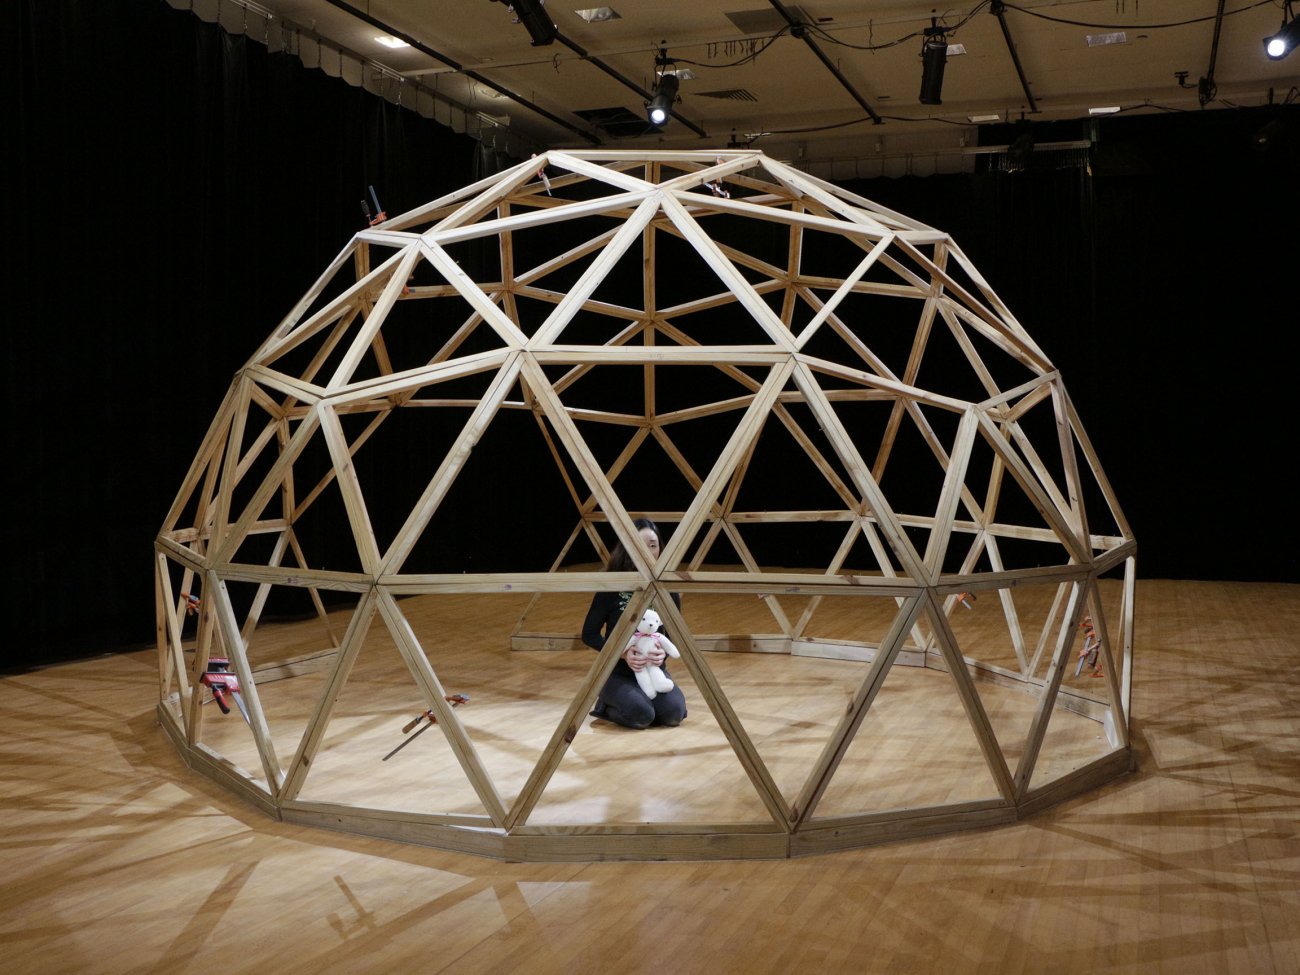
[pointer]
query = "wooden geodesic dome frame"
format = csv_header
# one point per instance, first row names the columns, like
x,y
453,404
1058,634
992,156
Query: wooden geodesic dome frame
x,y
846,327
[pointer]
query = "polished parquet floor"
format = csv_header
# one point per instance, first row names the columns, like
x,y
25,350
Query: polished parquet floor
x,y
116,858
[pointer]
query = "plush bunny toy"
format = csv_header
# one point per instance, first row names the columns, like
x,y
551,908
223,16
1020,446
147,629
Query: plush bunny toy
x,y
651,677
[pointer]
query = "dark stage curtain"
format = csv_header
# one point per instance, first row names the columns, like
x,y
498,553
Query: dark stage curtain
x,y
176,190
1157,272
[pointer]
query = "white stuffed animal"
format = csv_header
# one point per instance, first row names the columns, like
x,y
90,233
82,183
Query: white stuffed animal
x,y
651,677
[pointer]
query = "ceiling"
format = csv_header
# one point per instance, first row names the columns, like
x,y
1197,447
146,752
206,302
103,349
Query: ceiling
x,y
823,81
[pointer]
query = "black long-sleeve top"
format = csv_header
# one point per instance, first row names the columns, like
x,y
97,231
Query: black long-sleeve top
x,y
606,610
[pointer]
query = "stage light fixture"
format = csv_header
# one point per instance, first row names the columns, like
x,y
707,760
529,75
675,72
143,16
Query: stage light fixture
x,y
934,55
667,81
535,19
1269,135
1021,150
1285,40
661,105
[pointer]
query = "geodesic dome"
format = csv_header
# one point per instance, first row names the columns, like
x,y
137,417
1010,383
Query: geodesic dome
x,y
839,422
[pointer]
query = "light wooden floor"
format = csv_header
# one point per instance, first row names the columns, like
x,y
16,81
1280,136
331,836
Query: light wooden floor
x,y
118,859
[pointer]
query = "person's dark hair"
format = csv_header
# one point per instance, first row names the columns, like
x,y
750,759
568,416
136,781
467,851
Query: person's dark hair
x,y
619,560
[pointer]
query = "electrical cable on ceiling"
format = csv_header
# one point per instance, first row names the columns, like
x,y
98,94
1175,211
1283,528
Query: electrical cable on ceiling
x,y
1176,23
752,56
830,38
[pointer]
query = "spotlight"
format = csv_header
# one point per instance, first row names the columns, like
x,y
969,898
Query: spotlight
x,y
536,21
1020,151
1270,136
661,105
934,55
1285,40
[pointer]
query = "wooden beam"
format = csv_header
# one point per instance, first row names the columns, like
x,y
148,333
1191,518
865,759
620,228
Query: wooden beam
x,y
451,465
1108,660
435,697
1033,489
354,500
317,724
1052,682
953,485
841,738
724,713
724,269
729,457
864,483
595,274
567,729
970,699
809,330
290,321
218,596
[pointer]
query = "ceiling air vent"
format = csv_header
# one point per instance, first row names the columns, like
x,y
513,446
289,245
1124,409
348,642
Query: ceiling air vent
x,y
765,20
617,122
728,94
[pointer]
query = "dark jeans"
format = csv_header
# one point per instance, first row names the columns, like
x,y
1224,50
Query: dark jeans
x,y
623,702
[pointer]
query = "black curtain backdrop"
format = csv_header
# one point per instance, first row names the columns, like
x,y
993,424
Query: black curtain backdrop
x,y
173,190
1158,277
177,190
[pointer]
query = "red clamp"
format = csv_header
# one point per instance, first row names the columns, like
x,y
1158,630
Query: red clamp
x,y
379,217
716,187
455,700
221,682
1090,655
541,174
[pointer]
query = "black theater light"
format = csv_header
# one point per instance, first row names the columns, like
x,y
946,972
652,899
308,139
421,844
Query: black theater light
x,y
934,55
1287,37
535,19
661,105
661,102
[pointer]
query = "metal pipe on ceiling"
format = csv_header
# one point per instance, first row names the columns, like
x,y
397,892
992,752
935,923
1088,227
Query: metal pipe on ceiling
x,y
1207,90
998,10
800,30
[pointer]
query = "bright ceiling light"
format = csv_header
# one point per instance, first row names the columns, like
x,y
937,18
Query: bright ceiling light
x,y
661,105
934,55
1284,41
393,42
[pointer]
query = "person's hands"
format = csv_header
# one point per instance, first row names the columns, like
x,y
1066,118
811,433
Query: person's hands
x,y
639,660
